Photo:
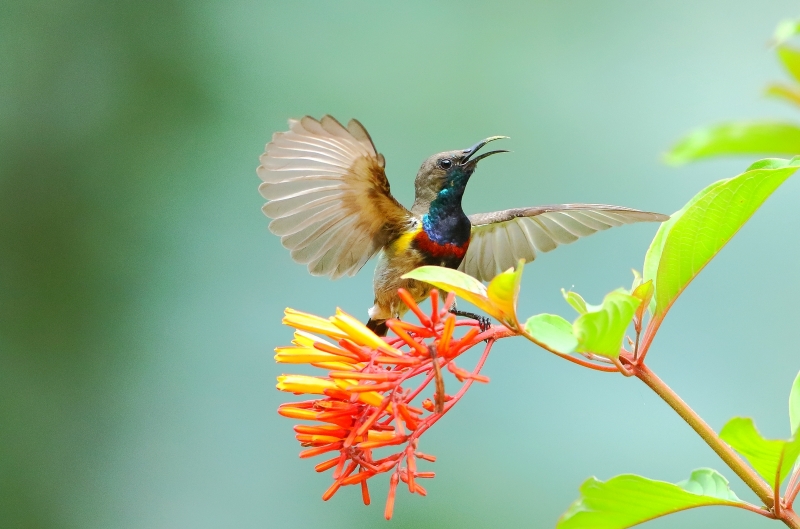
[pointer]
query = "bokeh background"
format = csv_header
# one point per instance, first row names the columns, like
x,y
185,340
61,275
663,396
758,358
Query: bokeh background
x,y
141,292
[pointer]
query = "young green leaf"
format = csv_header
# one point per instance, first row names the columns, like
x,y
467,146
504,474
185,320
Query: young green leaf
x,y
462,285
757,137
694,235
786,29
628,500
499,300
644,293
575,300
767,457
503,292
553,331
637,279
601,332
794,405
790,58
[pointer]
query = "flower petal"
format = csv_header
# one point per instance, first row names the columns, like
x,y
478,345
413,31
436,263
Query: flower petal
x,y
302,338
309,322
304,384
307,355
359,333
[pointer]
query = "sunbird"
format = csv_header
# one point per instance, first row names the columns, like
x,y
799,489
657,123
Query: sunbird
x,y
329,199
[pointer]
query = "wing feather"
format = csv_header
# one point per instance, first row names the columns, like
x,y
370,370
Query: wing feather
x,y
487,259
499,239
572,224
312,144
294,185
518,239
314,248
306,236
288,206
555,230
328,195
542,238
294,223
503,251
325,260
323,189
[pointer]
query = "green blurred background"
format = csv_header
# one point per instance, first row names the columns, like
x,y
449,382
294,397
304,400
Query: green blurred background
x,y
141,292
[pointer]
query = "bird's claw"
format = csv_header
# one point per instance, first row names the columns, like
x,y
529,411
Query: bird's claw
x,y
483,322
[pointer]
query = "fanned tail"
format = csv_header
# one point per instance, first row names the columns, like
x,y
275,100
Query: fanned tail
x,y
378,327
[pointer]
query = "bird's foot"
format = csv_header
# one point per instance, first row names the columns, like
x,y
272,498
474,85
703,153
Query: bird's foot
x,y
483,322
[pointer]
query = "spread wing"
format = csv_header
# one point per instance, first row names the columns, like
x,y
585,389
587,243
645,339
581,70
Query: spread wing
x,y
328,195
501,238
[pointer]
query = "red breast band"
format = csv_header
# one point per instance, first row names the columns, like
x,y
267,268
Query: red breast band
x,y
434,249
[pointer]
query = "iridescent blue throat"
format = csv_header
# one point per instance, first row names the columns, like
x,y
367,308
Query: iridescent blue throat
x,y
445,222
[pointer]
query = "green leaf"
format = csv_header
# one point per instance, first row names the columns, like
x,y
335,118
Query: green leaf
x,y
794,405
601,332
790,58
794,412
708,482
762,138
448,277
694,235
786,29
628,500
449,280
499,300
553,331
503,292
575,300
766,456
653,256
637,279
644,293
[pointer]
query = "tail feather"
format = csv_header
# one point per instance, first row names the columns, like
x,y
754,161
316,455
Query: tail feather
x,y
378,327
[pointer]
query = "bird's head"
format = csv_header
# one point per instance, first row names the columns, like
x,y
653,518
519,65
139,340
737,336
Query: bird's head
x,y
448,172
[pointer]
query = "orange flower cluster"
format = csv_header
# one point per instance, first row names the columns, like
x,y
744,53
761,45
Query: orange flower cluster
x,y
376,394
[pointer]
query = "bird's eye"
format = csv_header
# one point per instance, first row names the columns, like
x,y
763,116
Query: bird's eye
x,y
445,163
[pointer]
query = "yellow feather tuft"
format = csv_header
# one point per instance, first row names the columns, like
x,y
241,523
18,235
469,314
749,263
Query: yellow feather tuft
x,y
402,243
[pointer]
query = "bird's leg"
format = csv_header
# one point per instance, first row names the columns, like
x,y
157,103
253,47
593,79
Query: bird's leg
x,y
483,322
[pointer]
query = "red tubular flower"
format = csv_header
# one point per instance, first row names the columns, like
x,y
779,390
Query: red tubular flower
x,y
376,396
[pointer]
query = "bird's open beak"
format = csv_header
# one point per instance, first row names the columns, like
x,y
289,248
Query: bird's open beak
x,y
468,153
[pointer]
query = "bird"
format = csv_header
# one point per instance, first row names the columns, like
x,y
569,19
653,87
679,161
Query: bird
x,y
330,202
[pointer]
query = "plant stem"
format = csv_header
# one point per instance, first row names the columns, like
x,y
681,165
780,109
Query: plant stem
x,y
431,419
776,489
570,358
725,452
790,518
791,492
649,333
